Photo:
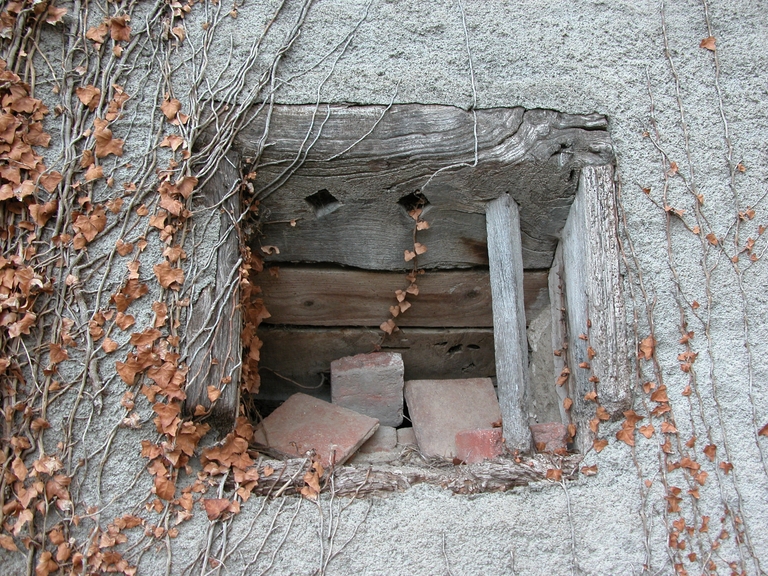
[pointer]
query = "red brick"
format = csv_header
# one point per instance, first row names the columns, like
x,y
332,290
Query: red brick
x,y
371,384
551,435
305,423
477,445
441,408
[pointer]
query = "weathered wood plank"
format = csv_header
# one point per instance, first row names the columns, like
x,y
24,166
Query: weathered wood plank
x,y
534,154
511,344
558,307
212,344
309,296
304,354
594,301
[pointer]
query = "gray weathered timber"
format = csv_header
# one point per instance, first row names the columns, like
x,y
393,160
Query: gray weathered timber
x,y
511,345
213,349
535,155
558,307
310,296
304,354
595,305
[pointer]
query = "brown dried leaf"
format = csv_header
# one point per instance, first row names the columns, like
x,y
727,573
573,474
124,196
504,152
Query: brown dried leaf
x,y
50,180
89,95
168,276
555,474
213,393
647,430
46,564
8,543
124,321
97,34
41,213
164,488
172,141
170,107
627,435
599,443
389,326
215,507
419,248
161,313
109,345
54,15
105,143
647,346
119,29
145,338
57,353
94,172
179,32
408,255
660,394
708,43
124,248
567,403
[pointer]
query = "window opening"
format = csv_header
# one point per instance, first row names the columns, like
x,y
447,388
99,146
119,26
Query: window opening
x,y
340,260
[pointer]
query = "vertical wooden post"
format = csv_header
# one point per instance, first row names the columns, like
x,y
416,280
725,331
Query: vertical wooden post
x,y
212,348
593,289
505,259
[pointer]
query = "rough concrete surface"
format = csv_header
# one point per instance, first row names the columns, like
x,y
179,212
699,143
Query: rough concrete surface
x,y
668,100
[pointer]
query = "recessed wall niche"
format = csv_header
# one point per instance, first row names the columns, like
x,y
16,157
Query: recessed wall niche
x,y
337,187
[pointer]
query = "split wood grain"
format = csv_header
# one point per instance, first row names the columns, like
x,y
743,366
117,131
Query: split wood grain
x,y
370,157
594,293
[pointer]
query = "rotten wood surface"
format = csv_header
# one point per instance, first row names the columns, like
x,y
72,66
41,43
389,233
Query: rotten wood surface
x,y
305,354
212,345
369,158
593,289
511,343
499,475
310,296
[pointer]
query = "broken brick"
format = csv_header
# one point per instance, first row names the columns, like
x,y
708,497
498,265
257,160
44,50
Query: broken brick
x,y
441,408
406,437
371,384
474,446
549,436
383,440
305,423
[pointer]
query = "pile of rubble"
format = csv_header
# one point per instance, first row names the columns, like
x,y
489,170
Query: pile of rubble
x,y
458,420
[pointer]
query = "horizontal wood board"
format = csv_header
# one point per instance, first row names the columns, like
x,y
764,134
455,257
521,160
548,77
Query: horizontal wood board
x,y
303,354
534,155
308,296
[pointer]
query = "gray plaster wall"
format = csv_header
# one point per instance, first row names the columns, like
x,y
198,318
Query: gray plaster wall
x,y
639,63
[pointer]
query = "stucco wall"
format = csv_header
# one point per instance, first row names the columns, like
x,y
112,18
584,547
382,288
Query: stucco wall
x,y
641,64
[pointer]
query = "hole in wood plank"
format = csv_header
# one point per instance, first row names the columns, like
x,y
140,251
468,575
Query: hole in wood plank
x,y
323,202
413,201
